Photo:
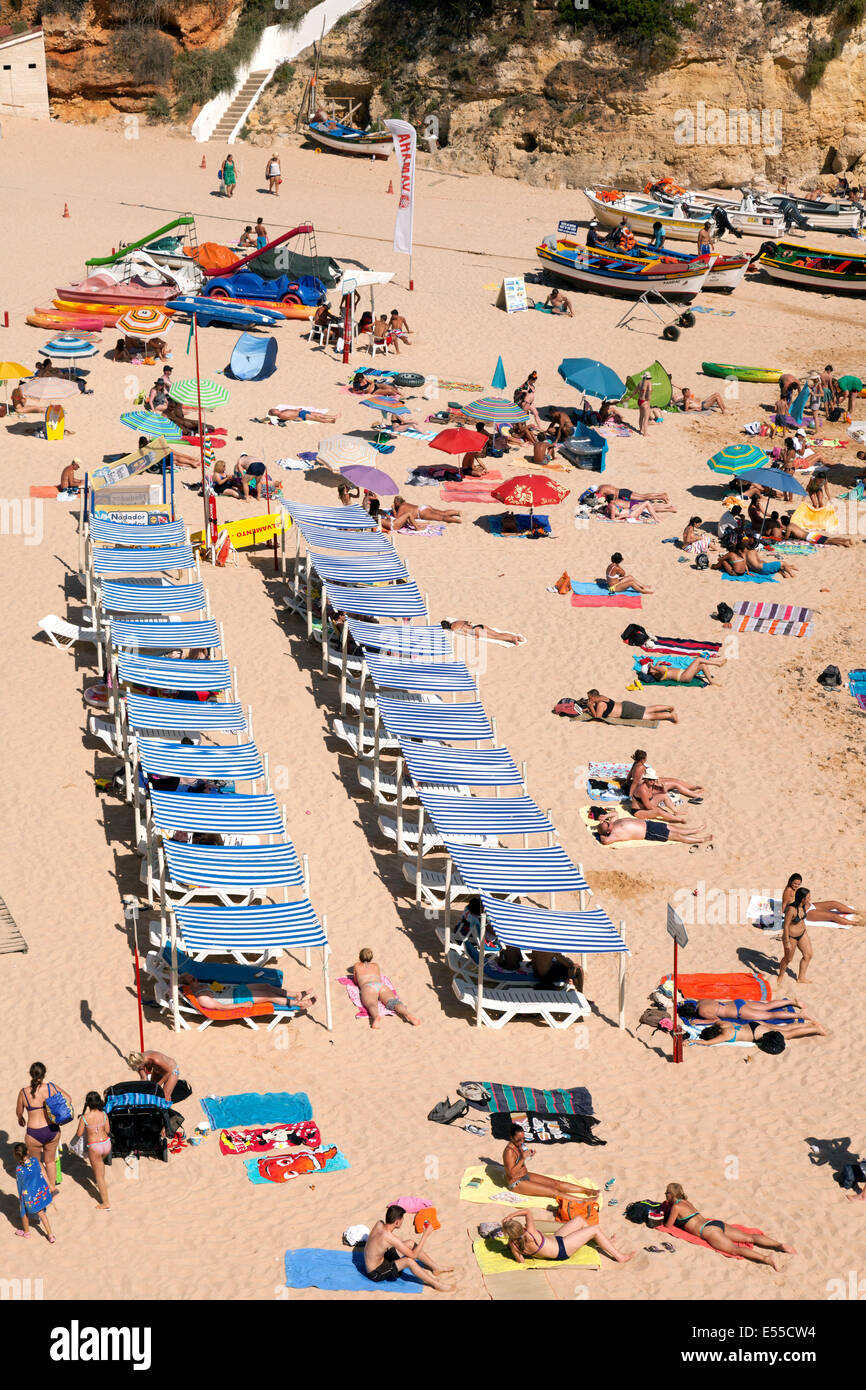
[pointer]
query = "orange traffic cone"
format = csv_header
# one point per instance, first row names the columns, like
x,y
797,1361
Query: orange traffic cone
x,y
65,209
390,185
203,164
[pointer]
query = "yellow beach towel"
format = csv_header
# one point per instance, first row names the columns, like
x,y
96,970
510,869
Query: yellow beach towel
x,y
815,518
592,827
491,1188
493,1258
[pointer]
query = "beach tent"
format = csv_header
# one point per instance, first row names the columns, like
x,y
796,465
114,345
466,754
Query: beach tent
x,y
253,358
661,388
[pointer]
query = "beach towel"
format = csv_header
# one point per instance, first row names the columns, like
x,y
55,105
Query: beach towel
x,y
494,1258
355,997
296,465
340,1271
773,619
733,985
788,612
771,627
681,646
412,433
790,548
486,1183
692,1032
584,718
504,1099
614,774
591,595
696,1240
287,1167
618,431
526,530
749,578
269,1139
48,490
636,519
251,1108
641,663
815,518
469,490
545,1127
431,528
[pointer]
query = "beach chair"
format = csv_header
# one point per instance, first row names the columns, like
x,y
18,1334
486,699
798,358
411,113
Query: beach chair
x,y
64,635
189,1010
557,1008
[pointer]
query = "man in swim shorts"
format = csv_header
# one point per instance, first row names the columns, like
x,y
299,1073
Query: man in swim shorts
x,y
373,991
614,830
386,1255
292,412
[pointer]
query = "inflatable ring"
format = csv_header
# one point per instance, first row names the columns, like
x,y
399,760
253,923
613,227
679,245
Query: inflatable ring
x,y
408,379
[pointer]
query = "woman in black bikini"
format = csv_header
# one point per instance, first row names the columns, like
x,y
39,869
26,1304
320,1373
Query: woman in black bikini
x,y
40,1135
600,707
526,1241
795,935
829,910
683,1215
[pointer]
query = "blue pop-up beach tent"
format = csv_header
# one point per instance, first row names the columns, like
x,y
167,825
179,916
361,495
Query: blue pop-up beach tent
x,y
253,358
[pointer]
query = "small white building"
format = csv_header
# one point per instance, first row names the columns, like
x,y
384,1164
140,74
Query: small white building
x,y
23,77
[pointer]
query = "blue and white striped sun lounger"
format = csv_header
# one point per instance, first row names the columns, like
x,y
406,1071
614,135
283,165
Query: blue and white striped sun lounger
x,y
145,712
352,542
446,677
344,518
265,928
470,767
105,532
401,639
462,723
236,762
474,815
216,815
165,673
540,929
544,870
172,557
234,866
385,601
164,636
159,599
357,569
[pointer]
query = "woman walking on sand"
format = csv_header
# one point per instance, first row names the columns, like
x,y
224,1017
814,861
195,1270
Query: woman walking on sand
x,y
230,176
94,1123
795,935
41,1135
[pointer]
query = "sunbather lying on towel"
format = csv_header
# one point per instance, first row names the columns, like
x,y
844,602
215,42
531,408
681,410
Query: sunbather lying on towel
x,y
637,775
606,492
525,1241
827,911
613,830
368,977
764,1035
519,1179
798,533
289,412
660,670
386,1255
490,634
405,516
686,400
774,1011
235,996
600,707
633,509
684,1215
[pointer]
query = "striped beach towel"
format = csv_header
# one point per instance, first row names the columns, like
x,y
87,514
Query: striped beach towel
x,y
681,646
468,490
773,619
518,1099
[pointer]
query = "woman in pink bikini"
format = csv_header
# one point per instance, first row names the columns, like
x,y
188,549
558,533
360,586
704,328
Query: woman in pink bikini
x,y
94,1122
41,1136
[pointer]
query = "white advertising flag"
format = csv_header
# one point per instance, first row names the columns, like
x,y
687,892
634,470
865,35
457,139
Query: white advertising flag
x,y
405,141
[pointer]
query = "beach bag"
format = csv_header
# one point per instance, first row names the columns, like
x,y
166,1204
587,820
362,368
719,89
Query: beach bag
x,y
474,1091
33,1190
56,1106
637,1212
702,562
724,613
563,583
830,678
635,635
78,1146
182,1090
656,1017
568,707
174,1123
444,1113
570,1207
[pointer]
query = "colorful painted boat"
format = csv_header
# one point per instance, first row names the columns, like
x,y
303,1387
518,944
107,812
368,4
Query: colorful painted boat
x,y
106,311
612,272
724,369
610,206
348,139
814,268
106,289
225,311
726,272
58,318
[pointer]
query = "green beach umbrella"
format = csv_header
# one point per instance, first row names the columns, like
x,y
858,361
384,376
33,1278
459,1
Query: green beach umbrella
x,y
186,392
499,383
737,458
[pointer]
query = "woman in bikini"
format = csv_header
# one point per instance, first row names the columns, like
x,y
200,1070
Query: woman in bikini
x,y
695,539
525,1241
683,1215
827,911
41,1136
94,1122
373,991
617,580
600,707
637,774
763,1035
464,628
405,514
795,935
661,670
772,1011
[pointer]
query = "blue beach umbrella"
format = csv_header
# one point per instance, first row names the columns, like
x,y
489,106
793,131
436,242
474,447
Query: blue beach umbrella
x,y
499,383
151,423
775,478
592,378
69,346
387,407
737,458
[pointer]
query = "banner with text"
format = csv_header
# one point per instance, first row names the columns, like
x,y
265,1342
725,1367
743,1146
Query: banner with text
x,y
404,145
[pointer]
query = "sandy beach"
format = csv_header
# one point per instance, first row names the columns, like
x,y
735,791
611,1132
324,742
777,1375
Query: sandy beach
x,y
750,1137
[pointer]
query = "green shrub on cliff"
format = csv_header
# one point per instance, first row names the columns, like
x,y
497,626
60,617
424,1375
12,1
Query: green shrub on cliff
x,y
635,20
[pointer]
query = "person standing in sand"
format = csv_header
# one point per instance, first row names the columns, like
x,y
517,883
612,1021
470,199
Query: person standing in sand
x,y
795,935
94,1123
386,1255
230,176
41,1134
643,402
373,990
273,174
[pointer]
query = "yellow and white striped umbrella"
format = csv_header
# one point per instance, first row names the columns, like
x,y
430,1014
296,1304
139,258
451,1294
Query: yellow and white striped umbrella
x,y
144,322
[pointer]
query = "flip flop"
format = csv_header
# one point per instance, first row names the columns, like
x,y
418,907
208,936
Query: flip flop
x,y
666,1245
609,1184
653,1249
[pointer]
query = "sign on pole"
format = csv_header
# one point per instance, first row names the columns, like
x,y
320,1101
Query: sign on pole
x,y
677,927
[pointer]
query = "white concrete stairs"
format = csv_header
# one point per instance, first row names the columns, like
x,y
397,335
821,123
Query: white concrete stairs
x,y
232,115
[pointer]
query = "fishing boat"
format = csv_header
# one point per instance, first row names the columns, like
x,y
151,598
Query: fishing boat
x,y
809,214
726,272
814,215
616,273
332,134
680,220
814,268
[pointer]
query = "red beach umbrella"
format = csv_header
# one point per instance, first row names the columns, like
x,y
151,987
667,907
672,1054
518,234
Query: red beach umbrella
x,y
530,491
459,441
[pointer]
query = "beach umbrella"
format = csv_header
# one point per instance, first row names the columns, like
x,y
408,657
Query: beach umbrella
x,y
499,383
494,410
69,346
592,378
186,392
151,423
775,478
342,449
737,458
50,388
386,406
530,490
12,371
371,479
144,322
459,441
846,383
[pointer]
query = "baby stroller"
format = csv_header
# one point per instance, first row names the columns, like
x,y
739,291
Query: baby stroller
x,y
137,1112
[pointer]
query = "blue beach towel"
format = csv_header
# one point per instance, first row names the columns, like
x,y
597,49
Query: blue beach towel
x,y
340,1271
539,522
250,1108
749,578
333,1165
591,589
33,1191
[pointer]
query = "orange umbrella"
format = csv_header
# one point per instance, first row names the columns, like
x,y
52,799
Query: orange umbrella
x,y
530,491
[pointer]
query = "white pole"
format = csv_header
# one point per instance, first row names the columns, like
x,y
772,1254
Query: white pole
x,y
480,995
175,1005
326,951
622,979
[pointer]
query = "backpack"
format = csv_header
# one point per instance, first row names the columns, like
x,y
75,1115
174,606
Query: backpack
x,y
702,562
655,1017
444,1113
635,635
724,613
637,1212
